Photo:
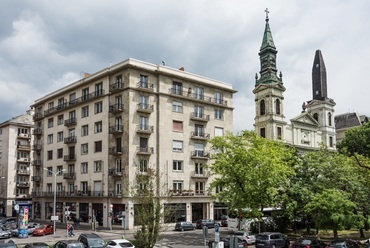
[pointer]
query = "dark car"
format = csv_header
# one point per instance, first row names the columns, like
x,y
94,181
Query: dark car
x,y
341,244
184,225
241,243
205,222
224,220
68,244
272,240
91,240
311,242
36,245
9,244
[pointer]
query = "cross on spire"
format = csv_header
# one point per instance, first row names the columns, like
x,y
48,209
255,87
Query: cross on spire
x,y
267,14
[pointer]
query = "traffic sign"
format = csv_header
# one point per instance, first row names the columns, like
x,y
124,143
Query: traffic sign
x,y
217,228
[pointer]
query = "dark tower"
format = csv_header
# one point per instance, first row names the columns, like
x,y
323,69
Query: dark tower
x,y
319,85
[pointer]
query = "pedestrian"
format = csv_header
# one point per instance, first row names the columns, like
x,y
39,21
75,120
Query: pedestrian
x,y
70,230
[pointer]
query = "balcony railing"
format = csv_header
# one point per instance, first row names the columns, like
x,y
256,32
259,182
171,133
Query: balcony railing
x,y
24,147
145,129
36,179
70,122
200,135
145,108
195,96
181,192
38,116
115,150
22,184
115,87
37,162
69,175
37,131
199,117
23,160
23,172
70,157
116,108
37,147
24,136
200,174
72,139
115,172
145,86
199,155
116,129
145,150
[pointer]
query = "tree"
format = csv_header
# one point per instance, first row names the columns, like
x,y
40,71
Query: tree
x,y
332,210
251,170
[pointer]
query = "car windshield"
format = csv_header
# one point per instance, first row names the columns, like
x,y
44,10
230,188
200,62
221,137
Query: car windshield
x,y
39,226
263,237
125,244
97,242
305,241
76,245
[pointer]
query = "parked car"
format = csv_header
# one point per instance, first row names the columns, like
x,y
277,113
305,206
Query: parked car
x,y
4,233
272,239
311,242
9,244
68,244
241,243
205,222
43,230
119,243
184,225
91,240
36,245
30,228
341,244
248,236
224,220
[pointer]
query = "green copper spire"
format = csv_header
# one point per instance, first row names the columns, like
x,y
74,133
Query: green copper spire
x,y
268,58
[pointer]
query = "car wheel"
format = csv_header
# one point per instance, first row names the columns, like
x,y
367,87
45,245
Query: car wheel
x,y
43,234
273,246
182,229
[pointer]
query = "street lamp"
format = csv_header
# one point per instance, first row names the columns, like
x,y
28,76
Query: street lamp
x,y
55,192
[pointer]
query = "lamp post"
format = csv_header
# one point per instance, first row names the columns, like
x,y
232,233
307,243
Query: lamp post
x,y
55,193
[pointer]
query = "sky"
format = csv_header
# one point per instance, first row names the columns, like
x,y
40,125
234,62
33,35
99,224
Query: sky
x,y
47,44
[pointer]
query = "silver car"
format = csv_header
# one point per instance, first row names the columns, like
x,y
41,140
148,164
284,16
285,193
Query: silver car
x,y
4,233
248,236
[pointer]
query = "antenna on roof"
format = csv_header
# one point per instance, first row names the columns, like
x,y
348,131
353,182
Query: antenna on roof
x,y
163,63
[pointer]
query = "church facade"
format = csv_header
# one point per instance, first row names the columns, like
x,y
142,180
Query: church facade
x,y
310,129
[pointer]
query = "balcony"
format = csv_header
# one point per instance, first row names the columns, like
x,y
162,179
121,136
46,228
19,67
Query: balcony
x,y
116,151
37,147
200,174
145,86
37,162
37,131
24,147
200,155
23,160
70,122
145,150
116,108
23,172
182,93
71,157
181,192
116,87
69,140
36,179
199,117
69,176
24,136
144,129
23,184
38,116
116,129
145,108
115,172
114,194
199,136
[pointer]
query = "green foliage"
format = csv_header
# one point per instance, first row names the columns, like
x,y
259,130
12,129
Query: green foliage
x,y
252,171
357,141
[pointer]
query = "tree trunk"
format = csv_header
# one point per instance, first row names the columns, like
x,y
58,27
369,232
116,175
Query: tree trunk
x,y
335,231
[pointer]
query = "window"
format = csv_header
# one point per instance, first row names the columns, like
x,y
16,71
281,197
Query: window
x,y
98,146
263,132
198,111
177,106
177,165
177,186
60,119
331,143
85,130
72,98
84,187
177,145
49,188
279,133
277,106
219,114
50,139
98,107
99,89
50,122
85,111
51,105
199,188
118,188
219,97
144,121
262,107
98,166
143,81
119,81
49,171
177,88
177,126
199,150
60,153
84,168
85,94
199,93
59,170
219,131
143,165
50,155
144,100
118,165
60,136
329,119
84,148
199,169
71,188
98,127
316,117
199,130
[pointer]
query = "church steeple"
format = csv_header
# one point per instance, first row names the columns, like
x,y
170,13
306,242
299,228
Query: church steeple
x,y
268,72
319,84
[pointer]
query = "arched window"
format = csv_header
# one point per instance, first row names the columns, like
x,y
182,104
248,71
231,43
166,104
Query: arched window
x,y
277,106
329,119
262,107
316,116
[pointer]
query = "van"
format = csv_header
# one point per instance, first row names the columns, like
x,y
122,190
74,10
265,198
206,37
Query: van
x,y
91,240
272,240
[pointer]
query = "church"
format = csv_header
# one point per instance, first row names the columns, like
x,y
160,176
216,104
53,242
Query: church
x,y
310,129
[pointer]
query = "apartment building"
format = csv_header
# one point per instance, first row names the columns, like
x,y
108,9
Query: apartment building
x,y
15,164
93,136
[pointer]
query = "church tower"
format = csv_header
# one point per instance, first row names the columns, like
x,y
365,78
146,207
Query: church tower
x,y
268,91
321,107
